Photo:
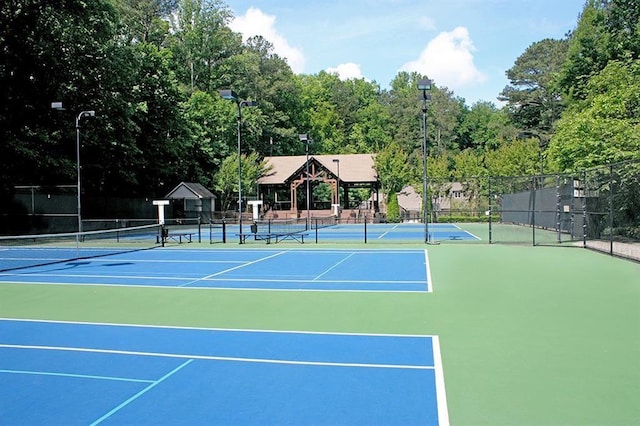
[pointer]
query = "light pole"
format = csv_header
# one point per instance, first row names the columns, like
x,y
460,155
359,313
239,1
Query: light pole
x,y
81,115
306,140
337,161
424,86
232,96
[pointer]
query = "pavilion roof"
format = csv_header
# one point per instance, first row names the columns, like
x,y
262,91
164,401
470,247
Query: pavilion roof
x,y
354,168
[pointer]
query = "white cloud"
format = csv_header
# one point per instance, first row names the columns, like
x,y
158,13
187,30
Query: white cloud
x,y
347,71
255,22
448,59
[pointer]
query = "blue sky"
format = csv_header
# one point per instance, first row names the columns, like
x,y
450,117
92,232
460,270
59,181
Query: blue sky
x,y
465,45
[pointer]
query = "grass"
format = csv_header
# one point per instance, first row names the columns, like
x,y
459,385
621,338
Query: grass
x,y
529,335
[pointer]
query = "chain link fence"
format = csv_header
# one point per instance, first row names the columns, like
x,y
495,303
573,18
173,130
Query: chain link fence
x,y
597,208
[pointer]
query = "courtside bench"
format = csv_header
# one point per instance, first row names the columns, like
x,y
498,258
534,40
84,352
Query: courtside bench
x,y
277,237
178,237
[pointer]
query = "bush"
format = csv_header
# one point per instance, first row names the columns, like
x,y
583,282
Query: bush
x,y
393,210
467,219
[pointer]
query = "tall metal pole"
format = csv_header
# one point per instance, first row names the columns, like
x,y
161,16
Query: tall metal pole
x,y
308,191
239,168
337,161
78,170
232,96
425,195
82,114
307,140
424,85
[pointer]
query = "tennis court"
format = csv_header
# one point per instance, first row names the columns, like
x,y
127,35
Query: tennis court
x,y
341,270
160,375
295,333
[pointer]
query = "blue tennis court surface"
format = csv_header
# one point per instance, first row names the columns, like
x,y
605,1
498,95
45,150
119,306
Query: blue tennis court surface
x,y
264,269
373,232
82,373
390,232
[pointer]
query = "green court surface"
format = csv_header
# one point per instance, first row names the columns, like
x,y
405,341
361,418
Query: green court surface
x,y
528,335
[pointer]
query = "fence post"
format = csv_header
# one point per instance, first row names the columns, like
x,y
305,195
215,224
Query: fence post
x,y
533,211
559,207
611,210
584,208
490,209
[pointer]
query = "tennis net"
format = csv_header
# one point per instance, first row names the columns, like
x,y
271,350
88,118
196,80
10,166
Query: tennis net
x,y
323,222
279,226
23,251
292,226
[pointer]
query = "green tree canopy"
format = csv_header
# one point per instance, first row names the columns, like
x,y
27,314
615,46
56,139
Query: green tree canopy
x,y
605,126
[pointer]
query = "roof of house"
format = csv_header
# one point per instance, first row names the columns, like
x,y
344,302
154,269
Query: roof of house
x,y
189,190
409,199
354,168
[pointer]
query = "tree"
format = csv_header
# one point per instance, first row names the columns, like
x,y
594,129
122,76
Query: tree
x,y
405,112
269,78
607,30
393,169
226,179
605,126
201,43
49,52
145,21
444,114
532,99
484,127
207,142
517,158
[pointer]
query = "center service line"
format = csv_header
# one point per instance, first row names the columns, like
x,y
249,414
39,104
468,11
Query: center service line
x,y
234,268
333,267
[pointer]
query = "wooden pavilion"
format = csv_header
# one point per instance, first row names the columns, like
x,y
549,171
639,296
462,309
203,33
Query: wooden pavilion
x,y
283,189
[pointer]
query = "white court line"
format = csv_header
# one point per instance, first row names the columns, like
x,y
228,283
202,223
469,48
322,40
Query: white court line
x,y
386,232
464,230
247,330
333,267
441,395
207,288
221,358
234,268
214,279
428,272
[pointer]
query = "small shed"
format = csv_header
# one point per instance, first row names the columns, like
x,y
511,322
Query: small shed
x,y
191,200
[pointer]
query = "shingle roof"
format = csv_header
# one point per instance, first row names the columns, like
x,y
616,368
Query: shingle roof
x,y
189,190
354,168
409,199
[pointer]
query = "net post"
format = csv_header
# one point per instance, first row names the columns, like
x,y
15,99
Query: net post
x,y
365,229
